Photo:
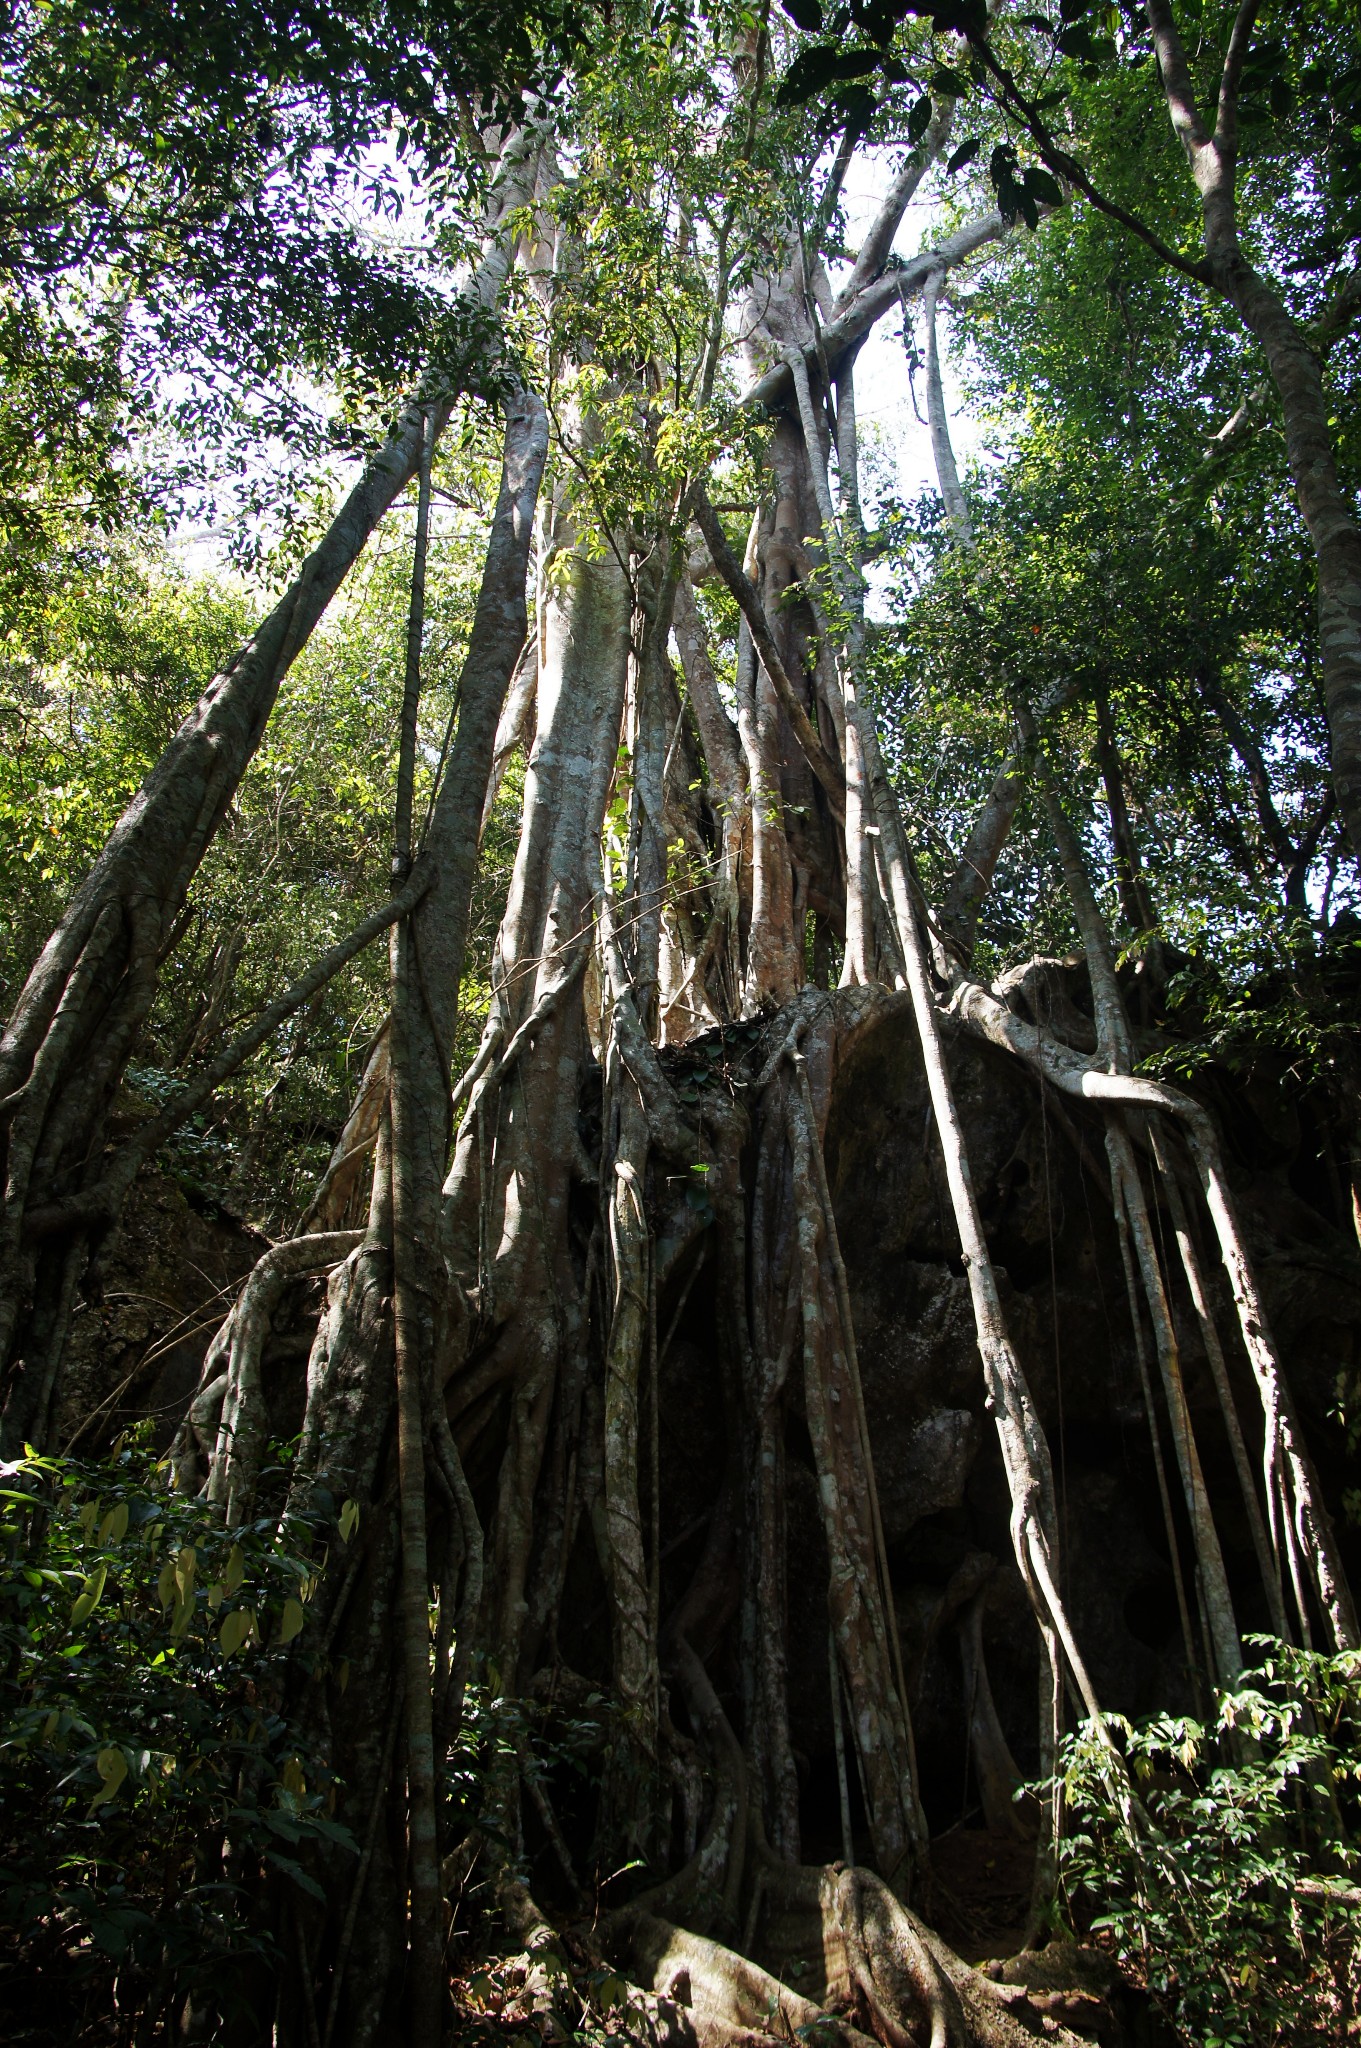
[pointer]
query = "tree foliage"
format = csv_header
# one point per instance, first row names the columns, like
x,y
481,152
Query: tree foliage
x,y
667,740
1214,1895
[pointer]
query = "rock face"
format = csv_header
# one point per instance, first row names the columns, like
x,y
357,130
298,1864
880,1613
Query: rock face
x,y
1040,1173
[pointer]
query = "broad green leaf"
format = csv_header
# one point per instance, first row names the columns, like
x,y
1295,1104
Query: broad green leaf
x,y
112,1767
88,1599
235,1630
292,1621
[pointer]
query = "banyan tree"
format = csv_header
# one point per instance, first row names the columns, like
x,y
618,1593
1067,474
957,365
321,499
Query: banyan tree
x,y
685,1361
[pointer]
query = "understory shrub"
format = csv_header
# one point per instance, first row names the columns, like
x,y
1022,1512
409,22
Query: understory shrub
x,y
147,1780
1218,1859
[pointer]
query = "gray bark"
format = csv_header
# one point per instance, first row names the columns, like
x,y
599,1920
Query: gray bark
x,y
1297,373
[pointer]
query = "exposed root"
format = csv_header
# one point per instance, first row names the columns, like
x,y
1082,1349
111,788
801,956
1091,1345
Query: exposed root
x,y
730,1999
904,1969
243,1421
892,1967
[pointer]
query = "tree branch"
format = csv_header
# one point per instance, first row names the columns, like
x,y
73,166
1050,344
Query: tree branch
x,y
855,320
99,1204
742,588
878,242
1226,118
1176,75
1068,167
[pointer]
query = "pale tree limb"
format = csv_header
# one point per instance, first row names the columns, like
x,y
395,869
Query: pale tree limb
x,y
1284,1448
241,1425
1114,1046
739,583
951,490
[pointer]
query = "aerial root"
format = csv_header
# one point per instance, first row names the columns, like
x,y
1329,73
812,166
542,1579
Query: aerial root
x,y
912,1989
729,2000
892,1968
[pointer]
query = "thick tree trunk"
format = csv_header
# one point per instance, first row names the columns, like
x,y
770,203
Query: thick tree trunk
x,y
75,1022
393,1301
1296,372
1328,514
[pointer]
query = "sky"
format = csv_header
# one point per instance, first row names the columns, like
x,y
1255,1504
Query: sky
x,y
883,398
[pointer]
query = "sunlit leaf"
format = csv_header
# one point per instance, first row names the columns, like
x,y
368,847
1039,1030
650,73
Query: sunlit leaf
x,y
88,1598
112,1767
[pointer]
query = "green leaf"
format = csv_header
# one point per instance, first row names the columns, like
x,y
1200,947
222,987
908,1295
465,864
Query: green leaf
x,y
1044,187
292,1621
962,17
348,1521
112,1767
805,14
235,1630
1077,42
814,70
610,1991
88,1598
919,120
965,154
302,1878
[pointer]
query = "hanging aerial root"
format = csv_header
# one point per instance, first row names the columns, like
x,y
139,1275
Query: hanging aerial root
x,y
714,1871
1155,1440
1214,1351
1128,1193
859,1604
227,1419
1289,1467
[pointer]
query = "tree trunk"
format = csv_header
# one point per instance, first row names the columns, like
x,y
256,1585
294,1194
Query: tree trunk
x,y
76,1021
1297,373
